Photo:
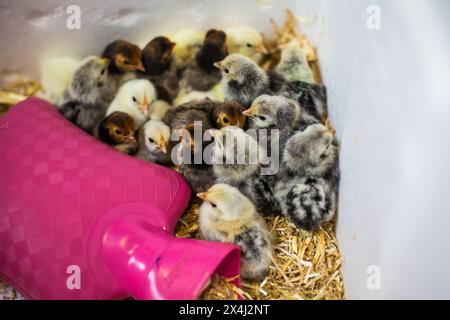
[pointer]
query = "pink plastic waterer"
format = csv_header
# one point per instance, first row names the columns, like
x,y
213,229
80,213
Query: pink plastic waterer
x,y
79,220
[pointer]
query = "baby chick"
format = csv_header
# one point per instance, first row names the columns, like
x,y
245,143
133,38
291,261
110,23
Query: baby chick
x,y
211,113
293,65
226,215
237,161
189,157
275,112
125,57
199,73
236,157
118,130
244,80
246,41
228,114
188,41
91,90
134,97
308,185
160,68
182,116
154,139
56,74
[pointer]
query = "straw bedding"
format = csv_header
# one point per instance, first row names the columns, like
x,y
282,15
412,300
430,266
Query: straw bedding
x,y
306,265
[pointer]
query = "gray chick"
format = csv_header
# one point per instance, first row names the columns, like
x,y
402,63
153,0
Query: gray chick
x,y
199,73
237,160
278,112
185,114
89,95
236,157
308,184
226,215
244,80
293,64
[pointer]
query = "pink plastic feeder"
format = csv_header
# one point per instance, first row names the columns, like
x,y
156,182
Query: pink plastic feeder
x,y
79,220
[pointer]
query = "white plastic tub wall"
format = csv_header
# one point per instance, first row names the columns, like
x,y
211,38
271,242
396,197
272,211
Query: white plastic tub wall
x,y
388,98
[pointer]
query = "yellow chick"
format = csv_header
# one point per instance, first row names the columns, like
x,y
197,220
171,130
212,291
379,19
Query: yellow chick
x,y
188,42
226,215
56,74
216,94
246,41
158,109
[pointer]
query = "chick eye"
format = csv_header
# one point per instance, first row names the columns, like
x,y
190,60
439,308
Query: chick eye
x,y
213,205
249,45
134,99
151,140
262,118
103,71
226,120
126,62
226,70
118,131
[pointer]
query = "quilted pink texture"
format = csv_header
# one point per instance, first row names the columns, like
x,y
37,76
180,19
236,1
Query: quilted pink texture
x,y
67,199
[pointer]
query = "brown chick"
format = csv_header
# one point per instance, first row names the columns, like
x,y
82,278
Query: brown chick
x,y
192,166
125,57
157,57
199,73
211,113
118,130
229,114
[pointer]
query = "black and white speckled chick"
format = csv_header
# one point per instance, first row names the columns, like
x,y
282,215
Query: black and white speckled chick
x,y
308,184
226,215
244,80
86,100
199,73
312,97
161,70
238,160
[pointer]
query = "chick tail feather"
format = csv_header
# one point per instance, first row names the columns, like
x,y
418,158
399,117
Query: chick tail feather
x,y
306,206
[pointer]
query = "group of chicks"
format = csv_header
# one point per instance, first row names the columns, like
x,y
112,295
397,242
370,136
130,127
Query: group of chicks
x,y
134,100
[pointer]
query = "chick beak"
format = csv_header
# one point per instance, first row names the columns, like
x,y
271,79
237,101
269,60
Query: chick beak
x,y
261,49
330,127
144,106
162,146
249,112
202,195
218,65
131,139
